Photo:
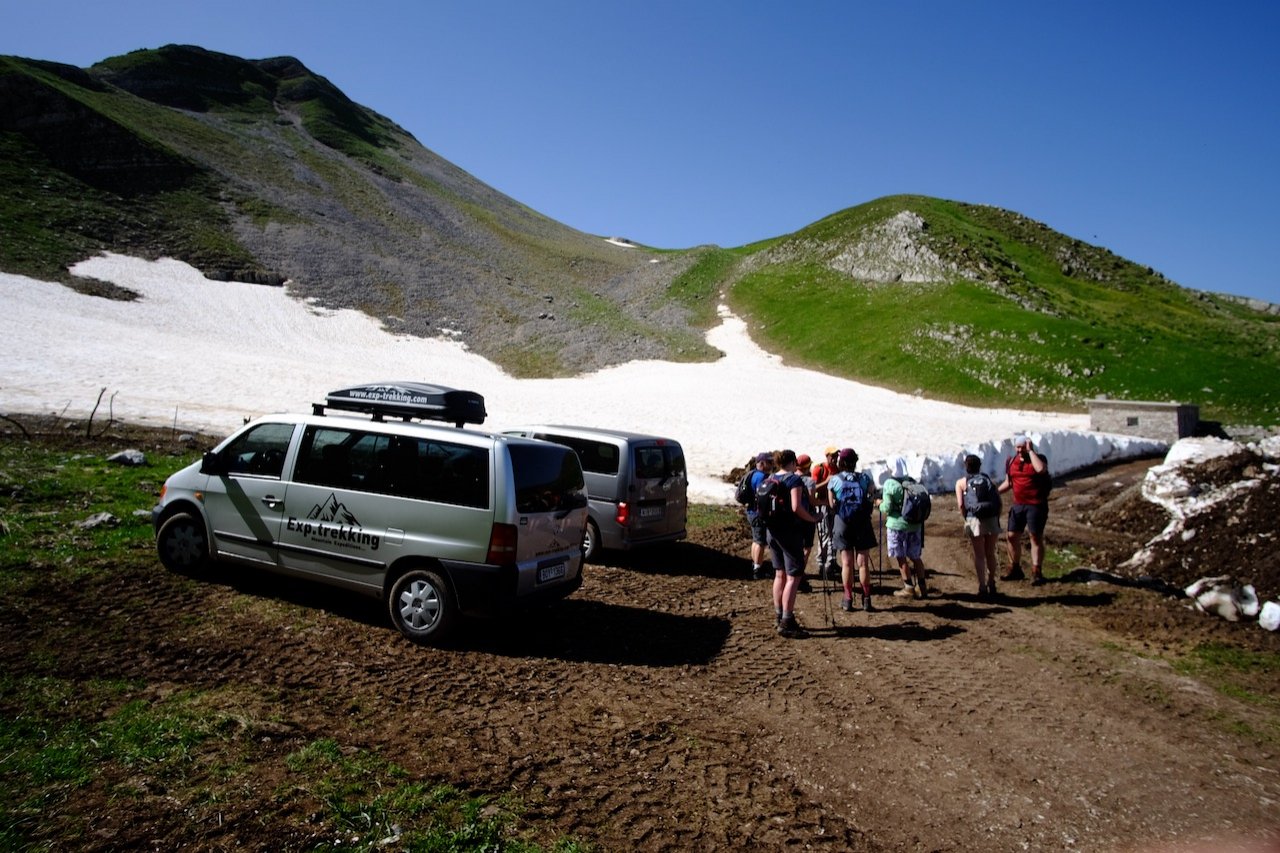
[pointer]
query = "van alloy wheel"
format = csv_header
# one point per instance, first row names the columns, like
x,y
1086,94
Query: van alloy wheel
x,y
421,605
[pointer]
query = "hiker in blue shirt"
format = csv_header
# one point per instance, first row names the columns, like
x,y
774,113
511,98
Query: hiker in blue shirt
x,y
759,538
851,494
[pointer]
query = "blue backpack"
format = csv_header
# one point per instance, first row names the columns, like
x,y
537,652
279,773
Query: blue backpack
x,y
851,497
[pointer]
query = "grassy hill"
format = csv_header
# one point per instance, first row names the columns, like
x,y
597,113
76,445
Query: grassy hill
x,y
984,306
262,170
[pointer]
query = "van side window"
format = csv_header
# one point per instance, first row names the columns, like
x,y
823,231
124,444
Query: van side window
x,y
597,457
397,465
260,451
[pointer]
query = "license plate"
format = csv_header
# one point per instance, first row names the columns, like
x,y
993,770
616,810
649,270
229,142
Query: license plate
x,y
651,512
550,573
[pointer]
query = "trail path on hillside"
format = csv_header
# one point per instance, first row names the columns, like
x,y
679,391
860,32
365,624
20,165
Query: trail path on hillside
x,y
658,710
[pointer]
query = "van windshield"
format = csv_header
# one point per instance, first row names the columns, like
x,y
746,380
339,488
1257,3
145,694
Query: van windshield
x,y
548,478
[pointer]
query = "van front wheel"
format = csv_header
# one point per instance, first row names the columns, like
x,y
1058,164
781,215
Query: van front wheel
x,y
421,606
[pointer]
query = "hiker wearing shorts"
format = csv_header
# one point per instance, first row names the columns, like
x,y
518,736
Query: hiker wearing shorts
x,y
786,545
906,542
759,538
1027,476
981,522
828,557
854,538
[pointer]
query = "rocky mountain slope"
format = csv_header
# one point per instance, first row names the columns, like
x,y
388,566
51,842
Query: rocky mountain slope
x,y
262,170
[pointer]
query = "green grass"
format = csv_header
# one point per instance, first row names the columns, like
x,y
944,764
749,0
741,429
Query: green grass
x,y
61,735
1132,336
703,516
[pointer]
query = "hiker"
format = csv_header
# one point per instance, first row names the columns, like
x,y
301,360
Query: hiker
x,y
807,529
851,494
783,516
906,541
828,557
1027,476
978,500
763,463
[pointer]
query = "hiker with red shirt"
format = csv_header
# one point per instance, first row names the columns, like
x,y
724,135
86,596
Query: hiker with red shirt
x,y
1027,476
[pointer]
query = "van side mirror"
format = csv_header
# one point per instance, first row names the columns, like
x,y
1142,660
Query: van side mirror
x,y
212,463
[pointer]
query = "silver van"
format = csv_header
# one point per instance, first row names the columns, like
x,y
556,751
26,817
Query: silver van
x,y
637,484
436,521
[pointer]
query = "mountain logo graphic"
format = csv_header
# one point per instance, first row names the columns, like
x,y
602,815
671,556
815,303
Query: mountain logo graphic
x,y
331,509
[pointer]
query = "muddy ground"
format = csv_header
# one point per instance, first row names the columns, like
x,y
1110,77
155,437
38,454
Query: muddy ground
x,y
657,709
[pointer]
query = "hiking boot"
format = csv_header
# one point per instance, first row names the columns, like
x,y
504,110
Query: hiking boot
x,y
1014,574
991,589
846,604
906,592
832,573
791,629
866,604
804,585
922,591
1037,579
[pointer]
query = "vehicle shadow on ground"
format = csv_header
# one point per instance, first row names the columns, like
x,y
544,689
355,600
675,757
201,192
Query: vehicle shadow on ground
x,y
678,559
573,630
584,631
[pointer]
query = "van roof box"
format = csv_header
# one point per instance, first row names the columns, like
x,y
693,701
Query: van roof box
x,y
408,400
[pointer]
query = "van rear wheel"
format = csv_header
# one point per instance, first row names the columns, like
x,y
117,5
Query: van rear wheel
x,y
421,606
590,541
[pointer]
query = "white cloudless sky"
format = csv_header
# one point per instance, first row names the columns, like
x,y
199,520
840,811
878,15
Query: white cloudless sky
x,y
1149,128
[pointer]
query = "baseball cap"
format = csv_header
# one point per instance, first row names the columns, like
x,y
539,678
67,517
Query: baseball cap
x,y
764,456
846,452
830,450
803,460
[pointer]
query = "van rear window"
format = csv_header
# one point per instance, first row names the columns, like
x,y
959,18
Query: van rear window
x,y
547,478
653,463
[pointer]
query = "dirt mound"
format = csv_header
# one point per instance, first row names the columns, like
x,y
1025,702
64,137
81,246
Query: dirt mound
x,y
1229,527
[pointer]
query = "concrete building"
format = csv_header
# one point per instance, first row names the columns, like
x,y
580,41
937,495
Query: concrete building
x,y
1162,421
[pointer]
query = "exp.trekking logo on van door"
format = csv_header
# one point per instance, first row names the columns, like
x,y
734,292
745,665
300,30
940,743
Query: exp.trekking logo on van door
x,y
332,523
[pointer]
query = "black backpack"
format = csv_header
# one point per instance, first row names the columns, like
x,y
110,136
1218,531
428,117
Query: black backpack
x,y
981,498
916,503
744,494
773,501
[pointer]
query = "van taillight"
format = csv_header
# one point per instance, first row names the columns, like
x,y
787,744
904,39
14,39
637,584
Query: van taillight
x,y
624,513
502,545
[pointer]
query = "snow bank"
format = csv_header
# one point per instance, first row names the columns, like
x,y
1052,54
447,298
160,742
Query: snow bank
x,y
205,355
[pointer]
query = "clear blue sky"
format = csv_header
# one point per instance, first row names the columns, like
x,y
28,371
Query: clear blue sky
x,y
1150,128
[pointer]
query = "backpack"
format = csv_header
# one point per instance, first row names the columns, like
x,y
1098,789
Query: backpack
x,y
744,494
981,499
773,501
916,503
852,497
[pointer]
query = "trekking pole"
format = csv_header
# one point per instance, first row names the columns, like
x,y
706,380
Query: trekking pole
x,y
880,554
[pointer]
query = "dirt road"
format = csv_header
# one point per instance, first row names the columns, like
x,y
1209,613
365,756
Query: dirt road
x,y
658,710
